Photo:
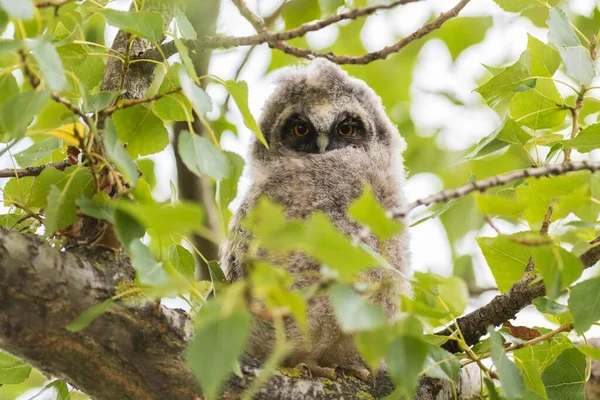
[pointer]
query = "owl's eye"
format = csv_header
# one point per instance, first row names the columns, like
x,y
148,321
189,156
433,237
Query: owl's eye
x,y
346,130
301,130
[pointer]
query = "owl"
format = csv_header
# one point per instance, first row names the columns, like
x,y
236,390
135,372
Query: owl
x,y
328,137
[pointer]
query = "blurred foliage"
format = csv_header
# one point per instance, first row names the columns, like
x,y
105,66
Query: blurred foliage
x,y
52,56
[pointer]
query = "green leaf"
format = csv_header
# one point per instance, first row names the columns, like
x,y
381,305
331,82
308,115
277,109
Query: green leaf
x,y
584,304
50,66
510,377
297,12
97,207
544,59
239,92
518,5
559,268
59,213
565,378
90,72
183,261
436,297
18,191
547,306
184,53
149,271
329,246
218,341
185,27
405,374
368,211
216,273
89,315
99,101
355,313
532,375
164,220
143,131
38,152
590,351
60,208
195,94
8,87
441,364
12,370
20,9
18,112
499,205
506,259
41,186
61,389
576,57
539,108
373,345
127,229
117,154
202,157
503,84
176,106
146,167
586,141
148,25
228,188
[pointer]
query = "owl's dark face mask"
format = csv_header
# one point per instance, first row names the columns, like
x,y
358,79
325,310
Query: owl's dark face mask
x,y
321,129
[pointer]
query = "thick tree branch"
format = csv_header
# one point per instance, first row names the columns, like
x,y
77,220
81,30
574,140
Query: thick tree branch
x,y
134,350
506,306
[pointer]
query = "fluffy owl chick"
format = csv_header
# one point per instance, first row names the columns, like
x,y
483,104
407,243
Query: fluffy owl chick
x,y
328,137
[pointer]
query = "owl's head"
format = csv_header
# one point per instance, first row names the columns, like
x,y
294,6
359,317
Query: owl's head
x,y
319,109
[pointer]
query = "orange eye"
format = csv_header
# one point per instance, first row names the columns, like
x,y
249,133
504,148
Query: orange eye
x,y
301,130
346,130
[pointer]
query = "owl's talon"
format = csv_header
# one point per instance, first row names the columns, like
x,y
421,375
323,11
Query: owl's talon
x,y
316,371
305,369
359,372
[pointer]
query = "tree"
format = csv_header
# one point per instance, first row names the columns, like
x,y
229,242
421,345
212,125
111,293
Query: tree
x,y
87,253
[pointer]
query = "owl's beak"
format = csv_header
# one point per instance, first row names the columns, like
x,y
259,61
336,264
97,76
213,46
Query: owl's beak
x,y
322,141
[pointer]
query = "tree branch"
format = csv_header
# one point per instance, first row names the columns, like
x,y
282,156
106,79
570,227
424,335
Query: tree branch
x,y
485,184
276,39
376,55
505,306
32,171
132,351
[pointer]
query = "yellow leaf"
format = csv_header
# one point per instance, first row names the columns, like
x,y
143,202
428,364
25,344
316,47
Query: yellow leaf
x,y
70,133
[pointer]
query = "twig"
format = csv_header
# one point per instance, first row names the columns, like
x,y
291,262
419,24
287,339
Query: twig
x,y
56,4
485,184
247,13
532,342
575,116
275,39
505,306
32,171
35,82
130,103
492,224
547,219
376,55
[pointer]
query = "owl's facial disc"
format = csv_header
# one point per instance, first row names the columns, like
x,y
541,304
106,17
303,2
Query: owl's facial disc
x,y
329,132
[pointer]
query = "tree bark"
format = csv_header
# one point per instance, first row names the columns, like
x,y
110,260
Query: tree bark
x,y
135,349
203,16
